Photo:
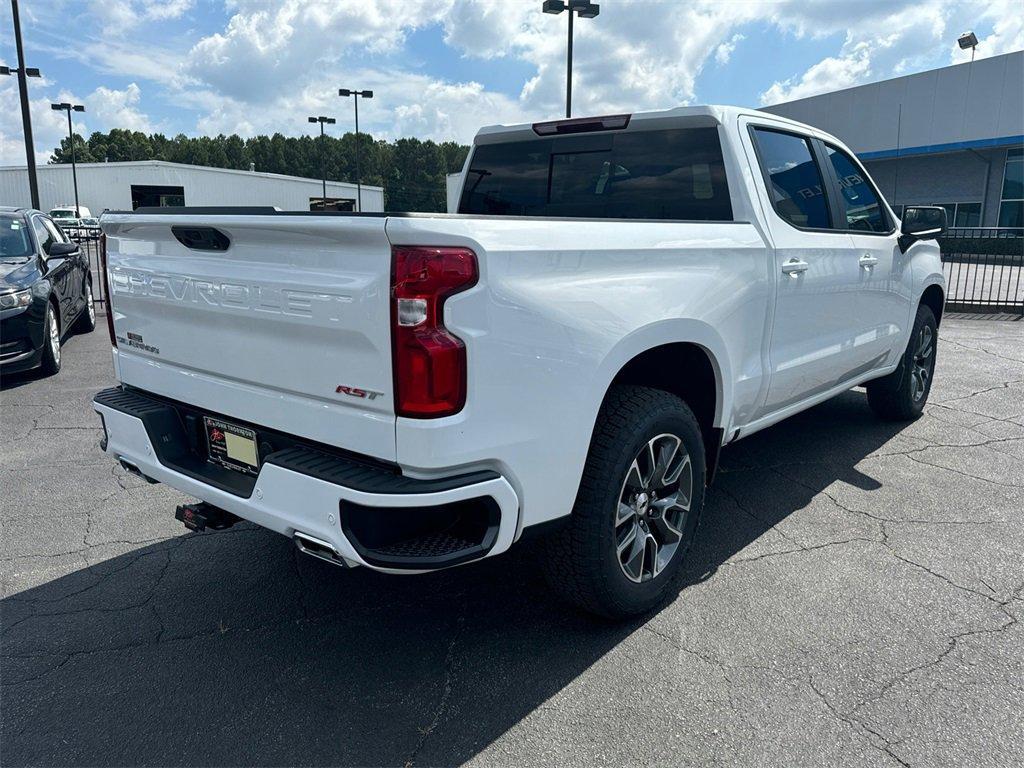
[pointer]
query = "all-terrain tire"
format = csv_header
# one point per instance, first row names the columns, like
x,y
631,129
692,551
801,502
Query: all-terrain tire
x,y
901,396
582,561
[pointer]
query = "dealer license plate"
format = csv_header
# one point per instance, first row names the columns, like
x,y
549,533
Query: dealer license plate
x,y
232,446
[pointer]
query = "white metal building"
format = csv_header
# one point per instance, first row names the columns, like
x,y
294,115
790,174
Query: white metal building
x,y
125,186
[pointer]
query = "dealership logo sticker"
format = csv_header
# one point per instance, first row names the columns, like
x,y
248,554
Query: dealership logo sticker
x,y
135,341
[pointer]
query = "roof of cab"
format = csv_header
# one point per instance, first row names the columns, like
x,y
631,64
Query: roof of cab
x,y
712,113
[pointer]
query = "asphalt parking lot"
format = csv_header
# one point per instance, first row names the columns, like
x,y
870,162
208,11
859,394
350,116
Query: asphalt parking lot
x,y
855,599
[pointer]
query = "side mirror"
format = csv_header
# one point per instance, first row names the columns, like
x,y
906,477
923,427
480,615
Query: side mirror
x,y
922,222
62,250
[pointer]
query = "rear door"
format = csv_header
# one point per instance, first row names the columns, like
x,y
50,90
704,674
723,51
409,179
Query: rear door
x,y
58,268
812,345
75,275
278,320
886,285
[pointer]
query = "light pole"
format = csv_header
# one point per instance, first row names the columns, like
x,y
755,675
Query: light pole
x,y
586,10
69,108
356,95
323,151
968,40
23,73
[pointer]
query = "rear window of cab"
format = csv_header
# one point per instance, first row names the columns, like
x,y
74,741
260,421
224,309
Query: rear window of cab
x,y
674,174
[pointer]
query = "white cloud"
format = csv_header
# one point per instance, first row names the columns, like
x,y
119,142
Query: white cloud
x,y
48,126
723,52
830,74
106,108
113,108
120,16
269,47
1007,18
889,39
410,105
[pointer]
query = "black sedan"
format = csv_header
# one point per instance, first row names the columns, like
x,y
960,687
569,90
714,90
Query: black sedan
x,y
45,291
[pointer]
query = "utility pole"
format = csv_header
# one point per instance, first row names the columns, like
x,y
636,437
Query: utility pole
x,y
26,116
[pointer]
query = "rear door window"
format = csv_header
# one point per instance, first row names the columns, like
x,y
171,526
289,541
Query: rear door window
x,y
793,178
860,201
669,175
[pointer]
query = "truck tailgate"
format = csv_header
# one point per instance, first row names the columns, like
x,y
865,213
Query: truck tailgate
x,y
284,328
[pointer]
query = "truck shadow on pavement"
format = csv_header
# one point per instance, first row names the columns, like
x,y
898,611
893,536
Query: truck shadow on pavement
x,y
232,649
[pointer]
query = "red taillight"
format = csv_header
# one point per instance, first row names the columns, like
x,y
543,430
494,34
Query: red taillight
x,y
106,290
429,362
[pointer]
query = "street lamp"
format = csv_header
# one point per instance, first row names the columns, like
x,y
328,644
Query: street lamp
x,y
69,108
968,40
323,162
23,73
585,10
356,95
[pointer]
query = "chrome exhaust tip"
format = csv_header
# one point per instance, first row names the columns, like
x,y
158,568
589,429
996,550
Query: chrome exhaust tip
x,y
318,548
132,469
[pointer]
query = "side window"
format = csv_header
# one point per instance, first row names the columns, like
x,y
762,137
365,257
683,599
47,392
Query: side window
x,y
44,236
793,177
863,210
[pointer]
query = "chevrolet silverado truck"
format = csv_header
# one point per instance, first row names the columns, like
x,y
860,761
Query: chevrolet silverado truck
x,y
617,299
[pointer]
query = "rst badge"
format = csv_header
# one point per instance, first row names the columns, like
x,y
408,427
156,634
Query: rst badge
x,y
366,394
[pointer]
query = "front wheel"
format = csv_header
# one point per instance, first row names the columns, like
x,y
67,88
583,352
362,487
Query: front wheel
x,y
901,396
637,509
51,343
87,320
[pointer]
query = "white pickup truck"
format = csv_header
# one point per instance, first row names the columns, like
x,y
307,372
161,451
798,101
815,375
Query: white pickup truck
x,y
617,299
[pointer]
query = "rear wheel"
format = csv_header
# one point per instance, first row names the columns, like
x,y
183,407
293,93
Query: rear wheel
x,y
901,396
51,342
636,512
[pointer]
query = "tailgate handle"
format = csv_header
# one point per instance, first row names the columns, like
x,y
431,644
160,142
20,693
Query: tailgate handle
x,y
201,238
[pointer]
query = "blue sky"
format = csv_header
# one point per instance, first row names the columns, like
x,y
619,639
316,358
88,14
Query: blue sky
x,y
442,68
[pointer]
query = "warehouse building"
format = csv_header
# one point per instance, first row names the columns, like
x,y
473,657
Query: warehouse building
x,y
126,186
952,136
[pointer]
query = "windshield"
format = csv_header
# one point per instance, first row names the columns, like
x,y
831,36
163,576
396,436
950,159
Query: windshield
x,y
62,214
14,242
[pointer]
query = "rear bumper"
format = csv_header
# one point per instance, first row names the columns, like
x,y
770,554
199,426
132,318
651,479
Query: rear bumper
x,y
333,498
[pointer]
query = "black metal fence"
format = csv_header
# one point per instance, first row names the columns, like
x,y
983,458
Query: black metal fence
x,y
88,238
983,268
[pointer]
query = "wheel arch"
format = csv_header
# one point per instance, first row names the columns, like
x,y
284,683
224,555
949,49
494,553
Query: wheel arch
x,y
691,365
934,298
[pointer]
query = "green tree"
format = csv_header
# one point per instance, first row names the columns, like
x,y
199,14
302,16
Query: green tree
x,y
411,171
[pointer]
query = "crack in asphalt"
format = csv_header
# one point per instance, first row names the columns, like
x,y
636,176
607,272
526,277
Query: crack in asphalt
x,y
449,668
886,747
983,350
